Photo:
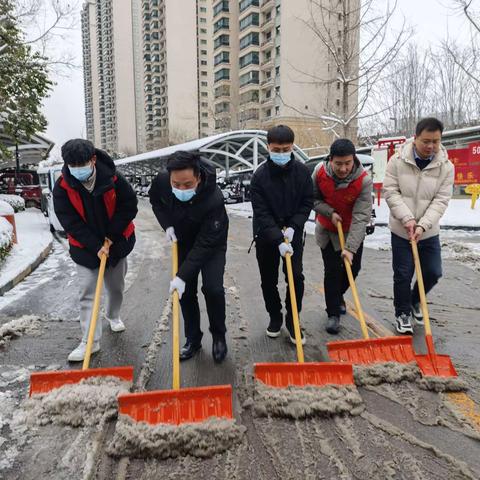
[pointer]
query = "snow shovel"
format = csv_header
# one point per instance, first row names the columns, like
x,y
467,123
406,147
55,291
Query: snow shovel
x,y
368,350
431,363
179,405
43,382
301,374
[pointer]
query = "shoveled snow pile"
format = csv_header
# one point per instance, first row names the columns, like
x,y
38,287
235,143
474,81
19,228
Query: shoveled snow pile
x,y
78,404
28,324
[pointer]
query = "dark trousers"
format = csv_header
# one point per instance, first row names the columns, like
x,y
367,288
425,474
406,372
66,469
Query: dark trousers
x,y
214,293
335,280
268,258
403,269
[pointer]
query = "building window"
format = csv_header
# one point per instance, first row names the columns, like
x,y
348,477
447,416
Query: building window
x,y
204,74
222,40
204,94
277,71
338,102
203,42
222,107
203,62
205,125
220,7
249,78
222,91
203,10
223,22
277,110
338,85
222,57
204,104
244,4
204,115
203,52
204,84
203,30
252,19
223,74
250,39
250,58
203,20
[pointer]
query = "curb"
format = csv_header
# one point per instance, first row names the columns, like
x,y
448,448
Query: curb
x,y
27,271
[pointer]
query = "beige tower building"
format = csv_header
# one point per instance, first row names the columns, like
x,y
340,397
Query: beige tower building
x,y
109,80
265,60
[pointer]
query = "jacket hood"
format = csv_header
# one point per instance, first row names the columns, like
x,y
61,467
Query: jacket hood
x,y
105,171
406,153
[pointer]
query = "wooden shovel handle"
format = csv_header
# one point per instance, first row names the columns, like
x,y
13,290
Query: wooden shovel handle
x,y
176,322
95,309
353,287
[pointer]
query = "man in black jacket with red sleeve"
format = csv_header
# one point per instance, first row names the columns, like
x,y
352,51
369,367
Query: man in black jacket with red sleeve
x,y
189,206
282,199
95,204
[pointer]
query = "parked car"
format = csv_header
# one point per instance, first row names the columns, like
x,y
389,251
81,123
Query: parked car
x,y
47,177
24,183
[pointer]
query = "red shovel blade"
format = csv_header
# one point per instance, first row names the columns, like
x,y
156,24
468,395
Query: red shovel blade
x,y
436,365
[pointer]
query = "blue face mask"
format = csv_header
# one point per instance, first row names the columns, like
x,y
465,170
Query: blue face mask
x,y
280,159
184,195
81,173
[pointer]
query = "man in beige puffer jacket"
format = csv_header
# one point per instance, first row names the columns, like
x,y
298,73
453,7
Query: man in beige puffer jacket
x,y
418,186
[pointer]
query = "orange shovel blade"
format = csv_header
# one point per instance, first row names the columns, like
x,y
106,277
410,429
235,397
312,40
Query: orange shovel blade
x,y
436,365
301,374
43,382
187,405
375,350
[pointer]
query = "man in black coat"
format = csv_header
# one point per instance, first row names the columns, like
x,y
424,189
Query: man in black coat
x,y
190,208
95,206
282,198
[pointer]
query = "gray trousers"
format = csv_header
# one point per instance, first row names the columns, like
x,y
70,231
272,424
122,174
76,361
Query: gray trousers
x,y
114,285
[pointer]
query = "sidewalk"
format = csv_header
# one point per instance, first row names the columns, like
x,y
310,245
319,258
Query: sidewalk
x,y
34,244
458,215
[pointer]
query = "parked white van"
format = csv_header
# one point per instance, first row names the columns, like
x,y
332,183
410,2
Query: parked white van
x,y
48,176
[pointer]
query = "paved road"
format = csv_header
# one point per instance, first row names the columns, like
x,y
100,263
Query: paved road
x,y
405,433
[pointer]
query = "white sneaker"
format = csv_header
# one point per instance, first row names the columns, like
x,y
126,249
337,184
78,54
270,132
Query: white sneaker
x,y
79,353
417,314
403,323
116,325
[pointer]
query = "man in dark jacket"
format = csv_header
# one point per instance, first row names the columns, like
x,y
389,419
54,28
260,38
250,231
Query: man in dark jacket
x,y
342,193
190,208
96,207
282,198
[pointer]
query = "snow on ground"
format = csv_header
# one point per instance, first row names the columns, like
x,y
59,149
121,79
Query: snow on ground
x,y
461,244
33,235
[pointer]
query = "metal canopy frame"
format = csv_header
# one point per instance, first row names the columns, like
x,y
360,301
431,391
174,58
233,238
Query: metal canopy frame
x,y
231,151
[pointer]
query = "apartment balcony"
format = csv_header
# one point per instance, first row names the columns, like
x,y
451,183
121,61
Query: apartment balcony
x,y
266,5
267,25
266,83
267,102
266,45
267,65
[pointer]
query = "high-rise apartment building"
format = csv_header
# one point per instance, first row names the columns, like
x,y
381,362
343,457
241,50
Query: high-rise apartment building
x,y
266,61
160,72
109,75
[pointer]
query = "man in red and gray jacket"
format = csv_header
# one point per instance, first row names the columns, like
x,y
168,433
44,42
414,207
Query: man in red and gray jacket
x,y
342,192
95,204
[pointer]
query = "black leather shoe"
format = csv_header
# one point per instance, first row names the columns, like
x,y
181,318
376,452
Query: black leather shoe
x,y
333,325
189,350
219,350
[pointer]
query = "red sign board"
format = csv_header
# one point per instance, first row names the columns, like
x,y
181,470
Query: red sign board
x,y
467,163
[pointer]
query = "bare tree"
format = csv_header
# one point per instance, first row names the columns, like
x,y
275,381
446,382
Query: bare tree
x,y
470,56
358,36
406,91
47,26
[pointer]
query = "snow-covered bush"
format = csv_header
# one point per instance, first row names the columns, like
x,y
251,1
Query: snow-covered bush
x,y
18,203
6,237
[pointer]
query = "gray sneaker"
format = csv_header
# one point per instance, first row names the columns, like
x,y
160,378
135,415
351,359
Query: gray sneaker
x,y
417,314
403,323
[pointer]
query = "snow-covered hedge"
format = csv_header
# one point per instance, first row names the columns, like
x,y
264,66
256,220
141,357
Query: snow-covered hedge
x,y
6,237
18,203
